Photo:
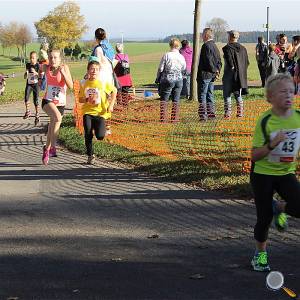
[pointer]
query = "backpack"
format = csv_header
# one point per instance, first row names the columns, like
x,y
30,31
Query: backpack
x,y
123,66
107,49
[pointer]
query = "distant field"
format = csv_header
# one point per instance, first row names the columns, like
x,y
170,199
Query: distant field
x,y
144,58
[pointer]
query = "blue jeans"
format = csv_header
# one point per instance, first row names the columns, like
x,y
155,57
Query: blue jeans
x,y
186,88
170,88
206,98
228,80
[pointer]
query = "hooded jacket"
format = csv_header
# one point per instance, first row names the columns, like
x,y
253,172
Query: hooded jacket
x,y
187,53
273,64
236,60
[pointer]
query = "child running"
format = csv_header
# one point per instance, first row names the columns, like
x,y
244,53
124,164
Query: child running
x,y
32,78
58,79
276,144
96,108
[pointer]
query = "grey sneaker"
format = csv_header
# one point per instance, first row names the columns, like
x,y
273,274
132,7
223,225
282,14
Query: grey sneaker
x,y
91,160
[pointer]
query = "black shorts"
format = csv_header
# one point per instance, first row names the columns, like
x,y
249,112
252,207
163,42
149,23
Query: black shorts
x,y
61,109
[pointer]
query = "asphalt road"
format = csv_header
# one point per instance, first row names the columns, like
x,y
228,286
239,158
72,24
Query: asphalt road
x,y
70,231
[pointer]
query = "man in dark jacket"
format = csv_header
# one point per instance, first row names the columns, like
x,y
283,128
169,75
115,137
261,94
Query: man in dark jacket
x,y
261,54
209,69
235,73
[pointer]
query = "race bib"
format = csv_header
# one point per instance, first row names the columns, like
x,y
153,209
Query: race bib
x,y
287,150
56,94
92,96
33,78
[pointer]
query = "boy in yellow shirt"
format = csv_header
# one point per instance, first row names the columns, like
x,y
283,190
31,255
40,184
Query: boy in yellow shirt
x,y
96,108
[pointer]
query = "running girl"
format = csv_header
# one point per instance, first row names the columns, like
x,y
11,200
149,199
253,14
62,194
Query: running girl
x,y
58,79
96,108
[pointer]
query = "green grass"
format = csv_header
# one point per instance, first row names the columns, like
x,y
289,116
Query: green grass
x,y
145,58
183,170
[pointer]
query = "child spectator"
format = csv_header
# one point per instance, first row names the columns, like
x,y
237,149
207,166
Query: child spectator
x,y
122,71
2,84
187,52
43,54
32,78
273,62
96,107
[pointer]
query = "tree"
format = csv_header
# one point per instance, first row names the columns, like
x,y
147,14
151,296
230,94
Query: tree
x,y
219,27
7,36
63,26
15,34
22,37
196,50
88,46
68,51
76,51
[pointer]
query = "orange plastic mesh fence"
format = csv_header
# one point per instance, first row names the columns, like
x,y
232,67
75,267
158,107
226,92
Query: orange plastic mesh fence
x,y
220,143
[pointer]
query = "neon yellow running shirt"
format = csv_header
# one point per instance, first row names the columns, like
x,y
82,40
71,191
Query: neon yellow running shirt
x,y
283,159
95,94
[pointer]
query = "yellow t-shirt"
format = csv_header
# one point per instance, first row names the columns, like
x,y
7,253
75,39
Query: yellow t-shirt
x,y
95,94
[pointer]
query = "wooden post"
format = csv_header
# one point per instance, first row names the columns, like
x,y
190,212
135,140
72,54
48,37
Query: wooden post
x,y
196,50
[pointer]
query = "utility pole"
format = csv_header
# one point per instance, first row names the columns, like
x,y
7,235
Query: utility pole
x,y
122,37
196,50
268,26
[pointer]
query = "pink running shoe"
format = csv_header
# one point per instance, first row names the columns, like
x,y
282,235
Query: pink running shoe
x,y
52,152
45,157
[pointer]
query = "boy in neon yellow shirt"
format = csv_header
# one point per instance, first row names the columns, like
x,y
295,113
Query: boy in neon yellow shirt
x,y
96,108
276,145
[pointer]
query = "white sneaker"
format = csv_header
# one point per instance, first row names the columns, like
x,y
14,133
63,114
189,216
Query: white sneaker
x,y
91,160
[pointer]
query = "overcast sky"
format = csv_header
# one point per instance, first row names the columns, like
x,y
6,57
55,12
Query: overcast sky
x,y
159,18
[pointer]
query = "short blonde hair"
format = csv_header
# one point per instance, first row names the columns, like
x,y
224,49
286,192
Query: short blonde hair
x,y
174,43
274,80
119,47
272,47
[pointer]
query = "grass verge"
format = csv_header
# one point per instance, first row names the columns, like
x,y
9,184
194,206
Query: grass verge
x,y
188,171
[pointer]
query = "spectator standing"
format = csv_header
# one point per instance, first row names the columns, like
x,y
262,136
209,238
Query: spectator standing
x,y
283,49
105,54
122,71
43,54
2,84
187,52
235,73
295,56
261,54
169,77
210,65
273,62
